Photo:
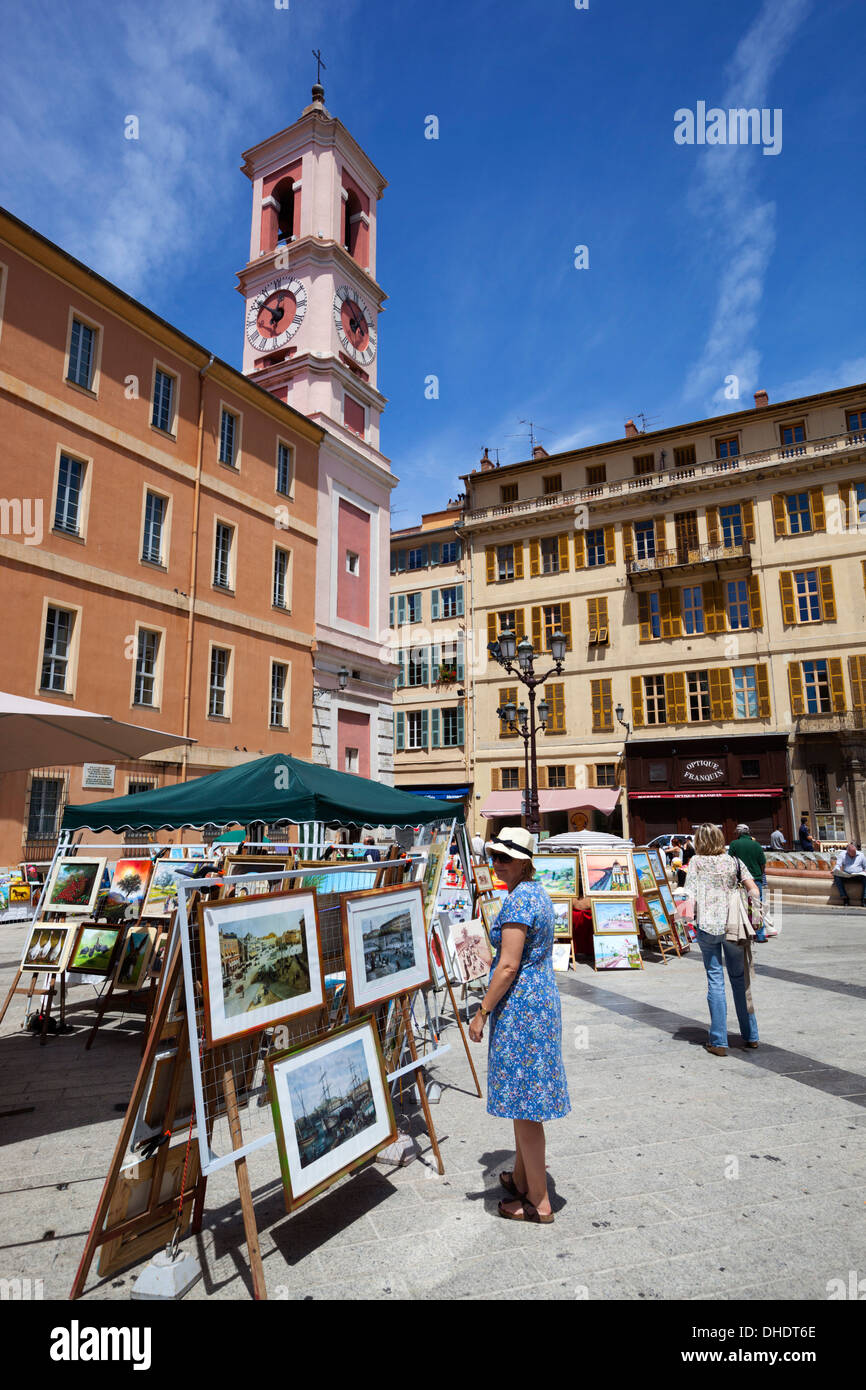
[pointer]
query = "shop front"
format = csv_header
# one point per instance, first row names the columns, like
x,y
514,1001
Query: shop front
x,y
675,785
560,809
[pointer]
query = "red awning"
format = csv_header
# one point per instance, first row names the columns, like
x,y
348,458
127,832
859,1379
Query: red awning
x,y
719,792
556,799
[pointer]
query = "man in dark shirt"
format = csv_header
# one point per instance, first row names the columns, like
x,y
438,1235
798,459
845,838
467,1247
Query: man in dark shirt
x,y
805,835
370,850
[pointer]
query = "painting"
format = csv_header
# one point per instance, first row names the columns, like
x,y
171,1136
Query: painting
x,y
135,956
483,878
489,909
261,962
331,1108
162,893
608,872
655,861
74,885
614,916
647,926
473,949
385,943
441,941
246,867
432,875
655,906
643,869
667,898
617,953
561,955
127,890
681,934
556,872
48,946
94,950
562,918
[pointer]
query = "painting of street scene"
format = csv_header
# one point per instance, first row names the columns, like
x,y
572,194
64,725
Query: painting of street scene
x,y
388,942
607,871
616,917
263,962
332,1101
473,949
385,943
617,953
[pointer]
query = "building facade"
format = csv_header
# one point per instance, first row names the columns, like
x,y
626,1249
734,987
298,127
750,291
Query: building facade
x,y
311,339
161,566
709,579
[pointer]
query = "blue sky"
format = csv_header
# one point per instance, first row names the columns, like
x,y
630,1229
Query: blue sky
x,y
555,130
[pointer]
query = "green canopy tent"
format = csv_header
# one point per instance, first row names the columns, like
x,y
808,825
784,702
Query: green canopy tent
x,y
274,790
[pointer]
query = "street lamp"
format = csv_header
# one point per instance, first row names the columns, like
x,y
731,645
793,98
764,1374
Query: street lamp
x,y
525,655
343,677
507,645
557,647
619,712
522,720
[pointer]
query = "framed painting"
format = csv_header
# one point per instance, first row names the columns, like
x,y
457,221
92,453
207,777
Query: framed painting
x,y
385,944
646,882
162,892
48,946
432,872
261,962
615,916
557,873
656,909
682,936
246,867
135,956
74,885
95,950
561,955
483,878
655,858
617,952
608,872
489,910
667,898
473,949
332,1110
30,873
442,941
562,917
127,890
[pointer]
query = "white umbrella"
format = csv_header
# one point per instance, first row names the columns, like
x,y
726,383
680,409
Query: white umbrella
x,y
574,839
38,733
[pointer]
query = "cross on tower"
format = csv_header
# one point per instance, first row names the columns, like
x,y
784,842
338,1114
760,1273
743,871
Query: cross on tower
x,y
317,54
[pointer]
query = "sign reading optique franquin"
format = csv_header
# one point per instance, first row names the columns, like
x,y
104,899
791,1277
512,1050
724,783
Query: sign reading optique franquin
x,y
703,770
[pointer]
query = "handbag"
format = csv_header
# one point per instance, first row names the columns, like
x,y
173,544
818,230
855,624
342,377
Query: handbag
x,y
739,926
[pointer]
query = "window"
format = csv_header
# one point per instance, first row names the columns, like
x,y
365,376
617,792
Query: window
x,y
605,774
556,702
698,683
70,476
808,599
728,448
553,484
452,728
279,680
745,693
685,534
557,776
353,562
685,456
350,760
693,611
595,548
649,616
550,555
601,701
222,562
644,540
285,469
56,649
162,417
794,433
658,772
820,786
219,677
507,695
738,604
654,701
508,493
509,778
799,516
816,685
46,801
731,521
416,729
155,508
555,617
418,558
413,608
354,416
750,767
449,605
136,785
281,575
855,420
643,464
596,474
418,668
82,355
450,553
144,689
228,432
799,513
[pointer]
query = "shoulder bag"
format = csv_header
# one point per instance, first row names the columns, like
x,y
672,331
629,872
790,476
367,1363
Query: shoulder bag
x,y
739,926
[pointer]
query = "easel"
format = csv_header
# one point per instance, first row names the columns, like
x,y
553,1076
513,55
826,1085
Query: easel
x,y
47,998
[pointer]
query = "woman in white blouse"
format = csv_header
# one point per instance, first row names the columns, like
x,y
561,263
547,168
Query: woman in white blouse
x,y
710,876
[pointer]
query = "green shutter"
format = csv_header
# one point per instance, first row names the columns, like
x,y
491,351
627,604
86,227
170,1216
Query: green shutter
x,y
434,554
460,601
460,733
425,723
425,668
400,730
436,663
461,658
436,722
401,610
391,612
401,559
401,674
434,604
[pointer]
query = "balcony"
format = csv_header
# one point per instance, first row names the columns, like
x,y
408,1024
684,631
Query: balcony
x,y
651,484
843,721
691,558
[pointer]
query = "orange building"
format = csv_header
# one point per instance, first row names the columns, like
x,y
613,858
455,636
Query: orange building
x,y
157,537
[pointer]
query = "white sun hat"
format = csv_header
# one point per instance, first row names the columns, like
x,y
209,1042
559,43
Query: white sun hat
x,y
514,842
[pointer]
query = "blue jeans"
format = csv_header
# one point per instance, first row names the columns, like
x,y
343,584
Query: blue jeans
x,y
760,934
712,949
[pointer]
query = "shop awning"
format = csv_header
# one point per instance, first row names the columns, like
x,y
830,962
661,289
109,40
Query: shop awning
x,y
439,793
717,794
555,799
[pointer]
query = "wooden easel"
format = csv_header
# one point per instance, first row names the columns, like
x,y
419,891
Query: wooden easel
x,y
47,998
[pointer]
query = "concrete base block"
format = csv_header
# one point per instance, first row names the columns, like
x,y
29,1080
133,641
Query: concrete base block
x,y
167,1278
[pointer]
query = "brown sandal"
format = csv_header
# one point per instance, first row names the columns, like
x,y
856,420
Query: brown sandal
x,y
529,1213
506,1180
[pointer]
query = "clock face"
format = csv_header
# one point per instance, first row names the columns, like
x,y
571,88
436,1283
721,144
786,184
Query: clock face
x,y
354,325
275,315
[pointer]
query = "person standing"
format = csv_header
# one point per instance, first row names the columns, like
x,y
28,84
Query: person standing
x,y
526,1080
371,851
710,878
478,845
746,848
777,839
804,835
850,865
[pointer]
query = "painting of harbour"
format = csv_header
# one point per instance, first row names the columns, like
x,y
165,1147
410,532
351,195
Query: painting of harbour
x,y
263,961
332,1102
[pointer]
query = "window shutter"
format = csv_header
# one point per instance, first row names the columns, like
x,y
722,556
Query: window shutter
x,y
401,673
610,545
569,775
756,613
563,553
837,684
590,775
518,559
845,503
565,610
520,624
712,526
762,680
434,604
714,607
461,660
490,559
461,735
637,702
627,541
675,697
435,664
857,672
521,778
644,618
537,630
603,626
592,618
400,727
495,779
579,550
721,693
780,515
425,668
669,611
435,728
391,612
425,722
460,608
597,706
795,688
816,509
534,559
542,778
661,535
492,629
401,610
828,597
786,592
748,511
557,704
506,693
434,554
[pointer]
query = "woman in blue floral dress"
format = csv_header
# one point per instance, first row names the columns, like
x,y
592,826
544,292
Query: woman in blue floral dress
x,y
525,1076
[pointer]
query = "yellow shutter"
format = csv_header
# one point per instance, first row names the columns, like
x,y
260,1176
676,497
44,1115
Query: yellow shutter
x,y
714,607
627,541
669,611
712,525
786,590
537,630
579,550
762,680
721,693
857,672
637,702
816,509
520,623
780,515
661,535
748,510
518,559
756,613
675,696
828,597
610,545
565,613
644,618
837,684
556,701
506,694
534,558
592,619
795,688
542,778
521,778
495,779
492,633
845,502
603,625
490,556
563,552
569,775
590,774
602,708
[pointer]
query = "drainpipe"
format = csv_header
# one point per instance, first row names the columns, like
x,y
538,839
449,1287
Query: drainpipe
x,y
193,570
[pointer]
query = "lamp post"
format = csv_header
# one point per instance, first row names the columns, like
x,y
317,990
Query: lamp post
x,y
626,829
523,721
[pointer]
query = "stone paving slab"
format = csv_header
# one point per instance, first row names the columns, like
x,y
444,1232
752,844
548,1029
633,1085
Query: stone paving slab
x,y
644,1209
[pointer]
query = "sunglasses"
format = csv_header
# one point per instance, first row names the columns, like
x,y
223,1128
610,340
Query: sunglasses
x,y
500,859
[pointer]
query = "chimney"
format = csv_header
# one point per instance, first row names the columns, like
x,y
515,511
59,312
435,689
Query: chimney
x,y
539,452
761,400
487,462
631,430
